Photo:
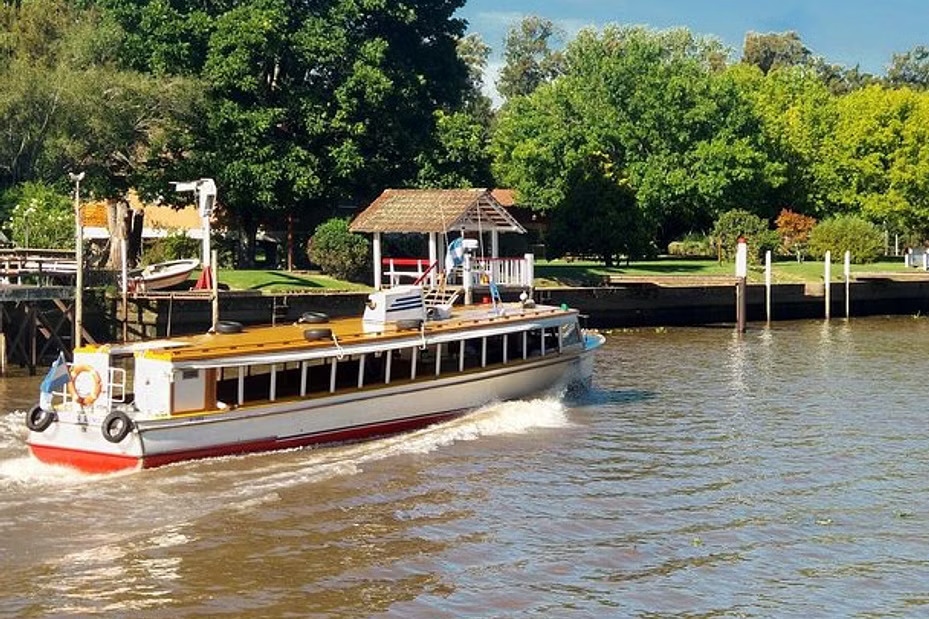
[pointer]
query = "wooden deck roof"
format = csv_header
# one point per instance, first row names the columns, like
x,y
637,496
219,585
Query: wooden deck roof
x,y
435,210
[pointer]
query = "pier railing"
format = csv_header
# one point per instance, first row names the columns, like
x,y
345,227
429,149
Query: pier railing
x,y
479,272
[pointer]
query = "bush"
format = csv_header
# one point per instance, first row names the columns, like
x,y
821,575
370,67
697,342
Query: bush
x,y
175,246
40,217
740,223
847,233
692,246
338,252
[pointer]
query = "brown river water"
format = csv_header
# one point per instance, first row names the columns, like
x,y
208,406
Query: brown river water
x,y
781,474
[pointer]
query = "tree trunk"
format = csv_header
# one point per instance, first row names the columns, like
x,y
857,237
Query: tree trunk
x,y
134,246
246,249
117,223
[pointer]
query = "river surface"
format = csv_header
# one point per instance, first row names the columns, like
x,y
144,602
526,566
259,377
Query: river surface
x,y
781,474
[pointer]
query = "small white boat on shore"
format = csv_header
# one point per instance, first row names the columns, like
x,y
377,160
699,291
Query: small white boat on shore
x,y
250,389
161,275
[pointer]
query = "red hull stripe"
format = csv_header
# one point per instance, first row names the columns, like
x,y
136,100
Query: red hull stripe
x,y
94,462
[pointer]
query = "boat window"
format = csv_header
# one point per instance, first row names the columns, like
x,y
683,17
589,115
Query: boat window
x,y
473,353
495,349
570,334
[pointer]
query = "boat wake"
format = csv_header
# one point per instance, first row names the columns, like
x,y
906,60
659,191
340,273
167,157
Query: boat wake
x,y
269,473
283,469
171,501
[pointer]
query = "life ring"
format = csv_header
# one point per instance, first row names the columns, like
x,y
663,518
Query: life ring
x,y
313,318
85,384
116,426
228,326
38,419
317,334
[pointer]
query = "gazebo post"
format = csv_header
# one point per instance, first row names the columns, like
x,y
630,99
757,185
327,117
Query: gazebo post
x,y
433,256
378,276
494,243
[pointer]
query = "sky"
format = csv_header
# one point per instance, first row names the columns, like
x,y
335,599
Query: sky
x,y
845,32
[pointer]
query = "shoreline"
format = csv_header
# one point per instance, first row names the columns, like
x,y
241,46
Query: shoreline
x,y
634,302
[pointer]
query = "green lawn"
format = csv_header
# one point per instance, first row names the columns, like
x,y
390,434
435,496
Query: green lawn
x,y
561,273
581,273
284,281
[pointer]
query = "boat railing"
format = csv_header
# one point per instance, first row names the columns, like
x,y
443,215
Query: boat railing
x,y
115,390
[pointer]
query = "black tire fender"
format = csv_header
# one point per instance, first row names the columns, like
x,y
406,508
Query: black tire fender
x,y
38,419
228,326
317,334
409,323
313,318
116,426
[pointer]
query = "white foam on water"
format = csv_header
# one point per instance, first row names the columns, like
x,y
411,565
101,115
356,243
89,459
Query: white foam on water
x,y
26,471
12,429
324,463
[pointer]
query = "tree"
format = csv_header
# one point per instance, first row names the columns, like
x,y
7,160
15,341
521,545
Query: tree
x,y
59,116
774,50
39,216
799,118
794,230
910,69
529,60
661,122
741,224
881,152
337,251
311,104
851,233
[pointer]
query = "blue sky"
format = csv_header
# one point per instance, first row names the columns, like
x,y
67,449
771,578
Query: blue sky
x,y
846,32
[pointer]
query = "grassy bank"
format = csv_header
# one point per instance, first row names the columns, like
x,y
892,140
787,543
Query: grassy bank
x,y
579,273
561,273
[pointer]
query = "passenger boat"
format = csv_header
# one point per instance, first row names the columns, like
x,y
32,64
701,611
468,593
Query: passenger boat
x,y
240,389
161,275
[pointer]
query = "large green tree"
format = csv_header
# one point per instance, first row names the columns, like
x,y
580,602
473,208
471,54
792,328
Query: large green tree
x,y
66,106
312,104
649,113
530,57
881,149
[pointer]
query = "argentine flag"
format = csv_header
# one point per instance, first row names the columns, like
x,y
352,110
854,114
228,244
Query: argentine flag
x,y
454,256
55,380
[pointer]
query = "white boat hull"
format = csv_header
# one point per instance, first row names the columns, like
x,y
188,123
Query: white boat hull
x,y
354,415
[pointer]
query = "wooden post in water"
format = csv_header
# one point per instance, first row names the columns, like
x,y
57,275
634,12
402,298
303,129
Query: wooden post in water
x,y
124,280
767,285
3,360
848,278
828,278
741,273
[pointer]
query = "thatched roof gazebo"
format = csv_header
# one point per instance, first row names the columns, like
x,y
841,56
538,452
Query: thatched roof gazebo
x,y
434,212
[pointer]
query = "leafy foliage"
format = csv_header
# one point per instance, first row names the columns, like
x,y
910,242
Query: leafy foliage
x,y
174,246
847,233
794,231
338,252
775,50
40,217
529,60
739,223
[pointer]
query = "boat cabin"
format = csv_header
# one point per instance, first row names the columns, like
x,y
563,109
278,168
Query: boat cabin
x,y
220,372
